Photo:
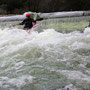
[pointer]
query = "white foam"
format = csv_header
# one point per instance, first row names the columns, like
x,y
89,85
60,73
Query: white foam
x,y
87,31
70,87
46,49
76,75
17,82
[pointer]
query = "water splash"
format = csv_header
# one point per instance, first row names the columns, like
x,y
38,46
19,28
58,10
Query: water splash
x,y
48,60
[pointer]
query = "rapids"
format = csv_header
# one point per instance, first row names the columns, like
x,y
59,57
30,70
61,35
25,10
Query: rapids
x,y
44,60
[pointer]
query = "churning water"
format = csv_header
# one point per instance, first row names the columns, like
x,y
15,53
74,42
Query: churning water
x,y
44,60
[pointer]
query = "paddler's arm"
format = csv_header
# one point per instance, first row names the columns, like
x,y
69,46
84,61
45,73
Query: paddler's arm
x,y
33,22
22,23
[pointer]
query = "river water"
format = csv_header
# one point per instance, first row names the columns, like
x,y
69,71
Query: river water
x,y
45,59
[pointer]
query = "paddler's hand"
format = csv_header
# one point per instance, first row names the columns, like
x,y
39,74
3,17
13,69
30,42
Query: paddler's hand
x,y
33,23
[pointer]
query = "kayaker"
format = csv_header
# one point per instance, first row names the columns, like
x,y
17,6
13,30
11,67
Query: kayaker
x,y
28,22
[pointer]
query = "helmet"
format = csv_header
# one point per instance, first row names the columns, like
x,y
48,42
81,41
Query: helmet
x,y
27,15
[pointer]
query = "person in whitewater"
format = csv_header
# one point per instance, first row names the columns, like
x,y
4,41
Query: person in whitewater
x,y
28,22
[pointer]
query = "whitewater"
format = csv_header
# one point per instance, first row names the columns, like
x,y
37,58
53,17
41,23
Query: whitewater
x,y
44,59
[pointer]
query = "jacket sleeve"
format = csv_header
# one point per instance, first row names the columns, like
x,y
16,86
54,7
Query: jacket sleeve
x,y
22,23
33,20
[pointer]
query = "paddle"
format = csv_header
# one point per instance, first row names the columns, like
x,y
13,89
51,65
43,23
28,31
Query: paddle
x,y
40,19
35,18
